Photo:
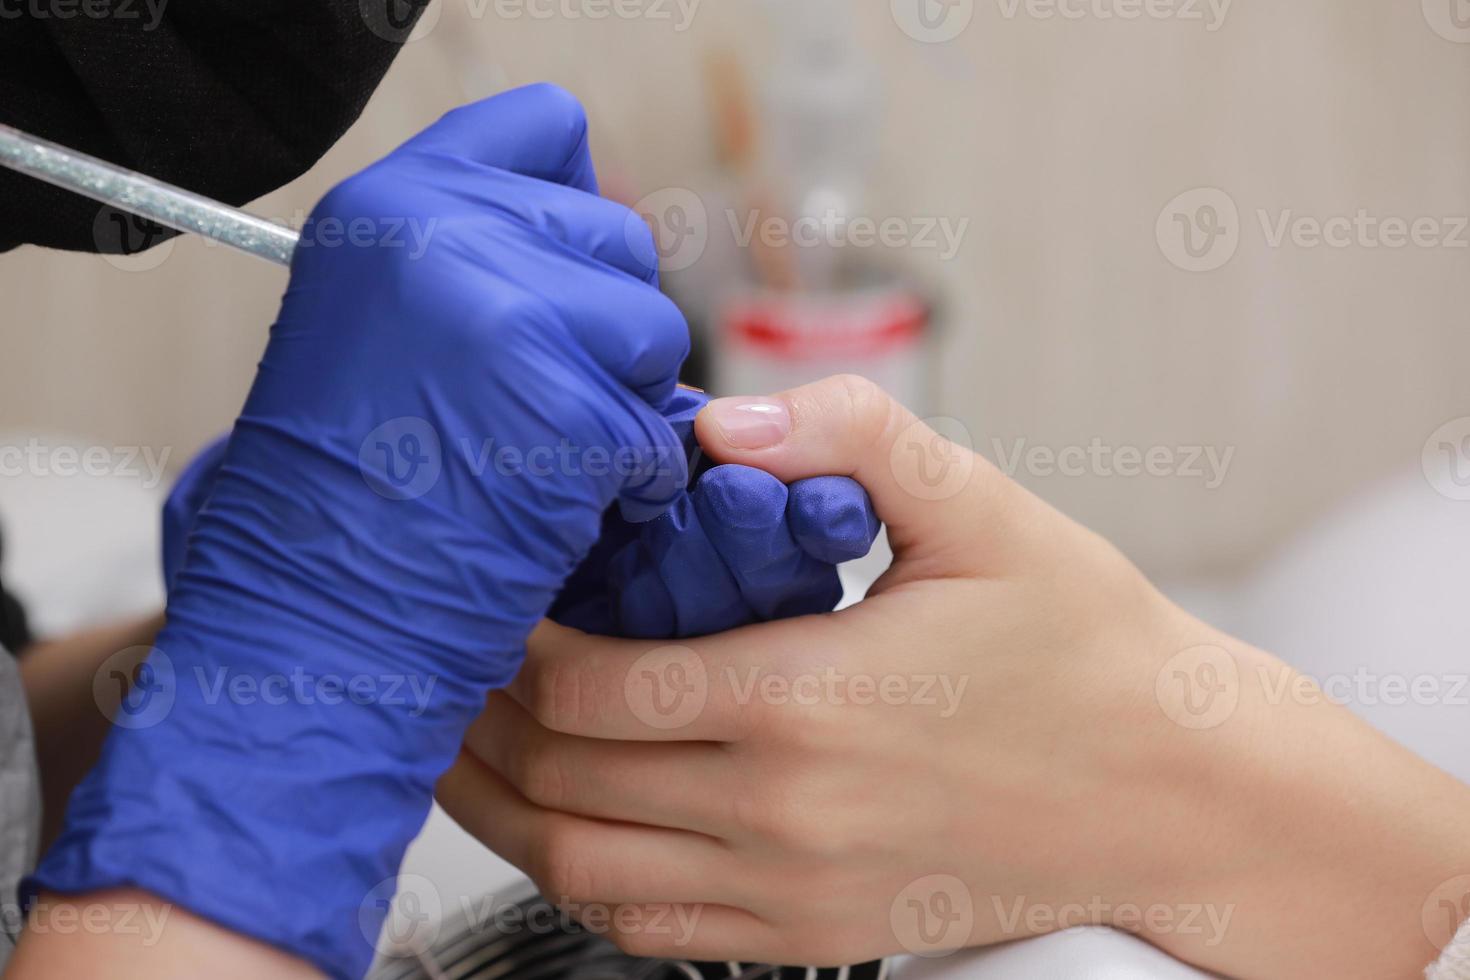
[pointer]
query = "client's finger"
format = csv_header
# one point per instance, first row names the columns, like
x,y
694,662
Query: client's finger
x,y
922,485
703,689
685,785
576,861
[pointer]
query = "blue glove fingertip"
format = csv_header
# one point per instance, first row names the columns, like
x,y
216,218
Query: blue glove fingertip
x,y
740,498
832,518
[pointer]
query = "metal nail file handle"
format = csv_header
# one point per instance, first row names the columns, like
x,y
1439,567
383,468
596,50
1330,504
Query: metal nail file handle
x,y
170,206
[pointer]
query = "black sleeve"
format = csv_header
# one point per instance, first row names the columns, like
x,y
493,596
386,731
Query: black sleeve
x,y
229,98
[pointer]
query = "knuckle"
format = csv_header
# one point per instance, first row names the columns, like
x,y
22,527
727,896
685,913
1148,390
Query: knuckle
x,y
868,407
563,869
554,695
802,730
542,775
641,943
780,816
563,107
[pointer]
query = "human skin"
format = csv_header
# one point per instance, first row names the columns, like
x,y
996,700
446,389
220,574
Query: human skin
x,y
1101,756
124,933
62,684
127,934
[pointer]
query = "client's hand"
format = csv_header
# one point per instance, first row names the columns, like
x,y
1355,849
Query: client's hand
x,y
1012,734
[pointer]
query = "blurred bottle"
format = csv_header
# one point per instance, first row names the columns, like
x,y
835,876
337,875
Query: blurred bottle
x,y
821,102
813,302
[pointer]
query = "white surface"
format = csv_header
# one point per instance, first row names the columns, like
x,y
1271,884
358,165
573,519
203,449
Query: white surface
x,y
1374,599
81,550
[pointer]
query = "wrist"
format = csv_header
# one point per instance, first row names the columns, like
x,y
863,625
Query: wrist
x,y
269,800
1315,845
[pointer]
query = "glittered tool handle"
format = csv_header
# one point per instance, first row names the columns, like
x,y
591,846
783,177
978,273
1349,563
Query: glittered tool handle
x,y
172,207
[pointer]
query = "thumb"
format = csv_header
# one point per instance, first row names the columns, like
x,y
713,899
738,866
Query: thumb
x,y
933,493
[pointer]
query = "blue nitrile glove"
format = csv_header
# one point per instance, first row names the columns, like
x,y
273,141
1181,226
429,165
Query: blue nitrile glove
x,y
184,503
432,439
738,548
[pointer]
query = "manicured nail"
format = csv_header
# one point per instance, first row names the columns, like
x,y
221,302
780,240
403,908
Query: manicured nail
x,y
750,423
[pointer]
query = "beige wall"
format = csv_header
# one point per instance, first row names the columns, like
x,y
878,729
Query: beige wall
x,y
1062,140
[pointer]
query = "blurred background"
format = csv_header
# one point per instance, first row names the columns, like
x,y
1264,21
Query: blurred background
x,y
1048,137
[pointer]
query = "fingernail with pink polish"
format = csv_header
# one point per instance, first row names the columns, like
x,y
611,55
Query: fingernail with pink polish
x,y
751,423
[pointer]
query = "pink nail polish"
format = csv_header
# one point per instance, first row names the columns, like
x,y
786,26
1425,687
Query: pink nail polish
x,y
751,423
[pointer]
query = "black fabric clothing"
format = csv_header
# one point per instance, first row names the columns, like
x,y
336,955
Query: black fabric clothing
x,y
15,634
228,98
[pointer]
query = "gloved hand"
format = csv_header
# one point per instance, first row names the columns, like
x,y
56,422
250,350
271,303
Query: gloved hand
x,y
427,453
185,500
740,547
